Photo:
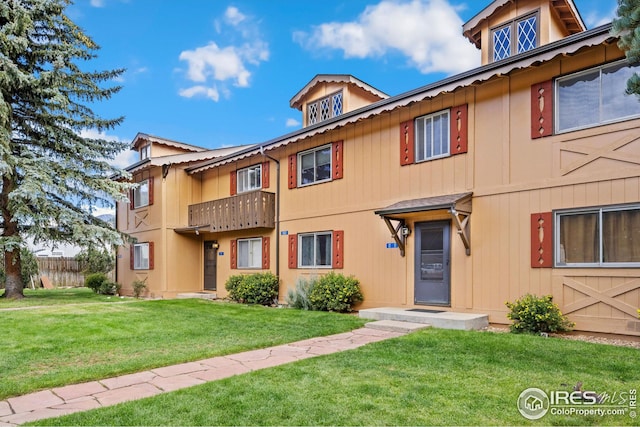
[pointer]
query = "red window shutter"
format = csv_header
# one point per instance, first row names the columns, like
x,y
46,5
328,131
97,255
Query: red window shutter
x,y
151,257
338,249
541,109
131,199
293,251
150,182
459,130
265,175
337,160
266,254
407,143
542,240
131,259
233,256
293,171
233,179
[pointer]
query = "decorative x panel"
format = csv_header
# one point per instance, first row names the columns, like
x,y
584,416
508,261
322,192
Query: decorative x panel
x,y
592,154
608,297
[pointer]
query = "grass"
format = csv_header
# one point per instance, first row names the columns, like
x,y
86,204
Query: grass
x,y
432,377
65,344
39,297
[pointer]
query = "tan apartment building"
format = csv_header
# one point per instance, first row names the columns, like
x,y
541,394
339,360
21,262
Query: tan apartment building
x,y
519,176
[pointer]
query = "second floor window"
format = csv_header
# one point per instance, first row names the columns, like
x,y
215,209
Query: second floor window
x,y
515,37
324,108
314,165
432,136
141,194
595,96
249,179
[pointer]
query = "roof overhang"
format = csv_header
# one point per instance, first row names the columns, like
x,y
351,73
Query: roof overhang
x,y
457,205
195,230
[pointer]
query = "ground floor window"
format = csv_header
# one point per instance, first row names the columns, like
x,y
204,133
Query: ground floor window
x,y
598,237
250,253
315,249
141,256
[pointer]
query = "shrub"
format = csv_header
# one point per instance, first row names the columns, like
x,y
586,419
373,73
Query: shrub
x,y
533,314
100,284
139,286
95,281
258,288
335,292
299,297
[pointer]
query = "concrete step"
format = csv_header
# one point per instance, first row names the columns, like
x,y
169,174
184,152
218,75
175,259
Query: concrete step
x,y
201,295
396,326
443,320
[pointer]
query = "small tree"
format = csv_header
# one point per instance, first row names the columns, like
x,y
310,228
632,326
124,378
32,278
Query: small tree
x,y
96,260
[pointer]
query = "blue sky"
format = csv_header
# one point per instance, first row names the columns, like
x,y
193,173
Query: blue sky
x,y
217,73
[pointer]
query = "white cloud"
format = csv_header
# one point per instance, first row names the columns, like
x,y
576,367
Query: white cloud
x,y
225,65
97,3
233,16
123,159
292,123
595,18
427,32
209,92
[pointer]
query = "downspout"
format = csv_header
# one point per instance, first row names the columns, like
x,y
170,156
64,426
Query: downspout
x,y
277,209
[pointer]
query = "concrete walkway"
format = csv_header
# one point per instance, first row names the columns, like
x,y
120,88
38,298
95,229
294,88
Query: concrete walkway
x,y
81,397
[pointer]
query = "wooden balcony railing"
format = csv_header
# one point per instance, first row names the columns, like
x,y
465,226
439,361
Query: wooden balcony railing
x,y
244,211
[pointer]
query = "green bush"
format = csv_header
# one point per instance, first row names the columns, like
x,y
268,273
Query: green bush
x,y
257,288
533,314
335,292
139,286
96,260
95,281
299,297
100,284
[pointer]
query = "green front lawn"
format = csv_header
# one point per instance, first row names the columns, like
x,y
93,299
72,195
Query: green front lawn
x,y
39,297
432,377
65,344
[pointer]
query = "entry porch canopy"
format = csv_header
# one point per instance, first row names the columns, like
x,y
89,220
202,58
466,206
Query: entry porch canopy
x,y
458,206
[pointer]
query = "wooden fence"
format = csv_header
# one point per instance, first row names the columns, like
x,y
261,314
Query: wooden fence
x,y
62,272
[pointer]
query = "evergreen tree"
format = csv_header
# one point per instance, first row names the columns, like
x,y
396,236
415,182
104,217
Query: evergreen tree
x,y
627,27
51,176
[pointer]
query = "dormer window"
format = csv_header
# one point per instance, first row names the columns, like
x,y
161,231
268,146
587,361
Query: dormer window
x,y
515,37
145,152
324,108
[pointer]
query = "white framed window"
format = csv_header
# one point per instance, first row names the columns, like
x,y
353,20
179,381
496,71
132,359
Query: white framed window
x,y
141,194
249,179
314,165
594,97
145,152
517,36
141,256
598,237
432,136
315,250
324,108
250,253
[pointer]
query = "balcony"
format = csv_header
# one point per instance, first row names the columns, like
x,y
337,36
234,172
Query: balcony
x,y
242,212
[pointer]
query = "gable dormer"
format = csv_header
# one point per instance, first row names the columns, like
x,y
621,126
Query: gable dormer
x,y
149,146
508,27
329,95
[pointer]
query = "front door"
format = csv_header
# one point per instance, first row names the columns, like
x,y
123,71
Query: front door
x,y
210,265
432,272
